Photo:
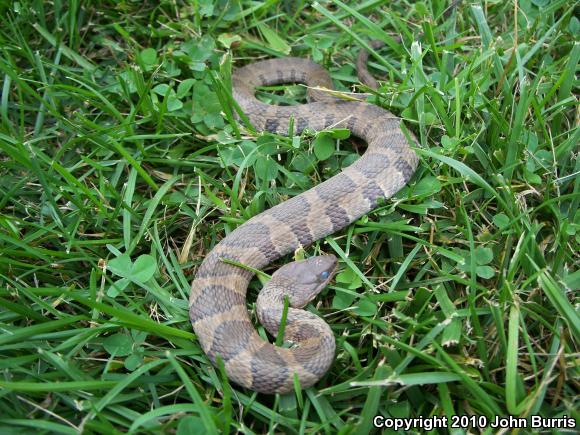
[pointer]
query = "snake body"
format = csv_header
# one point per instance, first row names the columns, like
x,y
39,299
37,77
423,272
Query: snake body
x,y
218,309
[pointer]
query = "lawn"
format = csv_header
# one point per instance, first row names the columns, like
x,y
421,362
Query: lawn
x,y
122,165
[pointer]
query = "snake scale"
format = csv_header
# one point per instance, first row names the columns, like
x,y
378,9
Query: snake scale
x,y
218,309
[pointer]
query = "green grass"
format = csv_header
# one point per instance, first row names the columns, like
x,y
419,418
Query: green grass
x,y
121,166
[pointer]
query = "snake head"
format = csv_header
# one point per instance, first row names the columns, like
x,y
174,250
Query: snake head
x,y
306,277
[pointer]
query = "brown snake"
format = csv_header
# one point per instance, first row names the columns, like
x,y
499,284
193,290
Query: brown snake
x,y
218,309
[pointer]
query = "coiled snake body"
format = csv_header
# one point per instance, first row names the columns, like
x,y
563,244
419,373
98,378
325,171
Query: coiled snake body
x,y
218,309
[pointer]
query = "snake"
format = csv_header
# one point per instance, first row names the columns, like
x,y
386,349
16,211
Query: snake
x,y
217,305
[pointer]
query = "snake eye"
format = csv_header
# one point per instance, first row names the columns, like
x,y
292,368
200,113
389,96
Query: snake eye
x,y
324,275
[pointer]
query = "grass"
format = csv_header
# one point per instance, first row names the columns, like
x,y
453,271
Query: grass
x,y
121,166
